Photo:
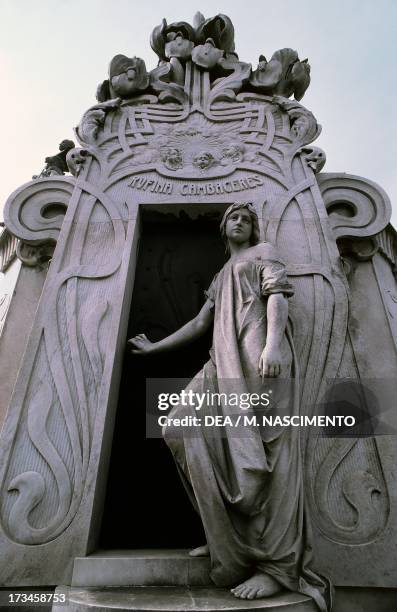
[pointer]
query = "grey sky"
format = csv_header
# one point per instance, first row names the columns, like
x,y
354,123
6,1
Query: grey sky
x,y
53,53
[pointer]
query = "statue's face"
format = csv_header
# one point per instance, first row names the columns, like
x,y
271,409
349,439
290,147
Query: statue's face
x,y
239,226
174,155
203,160
172,158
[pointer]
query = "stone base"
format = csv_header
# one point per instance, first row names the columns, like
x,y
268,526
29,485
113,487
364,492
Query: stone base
x,y
170,580
175,599
126,568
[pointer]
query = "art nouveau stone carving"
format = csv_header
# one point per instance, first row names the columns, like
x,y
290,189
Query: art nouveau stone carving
x,y
356,206
200,131
34,213
283,75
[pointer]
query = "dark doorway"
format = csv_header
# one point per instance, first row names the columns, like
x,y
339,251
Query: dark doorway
x,y
146,505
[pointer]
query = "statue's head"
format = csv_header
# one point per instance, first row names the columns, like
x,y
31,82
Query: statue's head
x,y
255,233
127,75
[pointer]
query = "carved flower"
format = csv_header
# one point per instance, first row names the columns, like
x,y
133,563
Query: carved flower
x,y
300,76
127,75
284,75
178,46
207,55
220,29
164,33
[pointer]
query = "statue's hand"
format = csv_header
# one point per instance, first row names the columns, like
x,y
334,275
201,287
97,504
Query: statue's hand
x,y
140,345
270,362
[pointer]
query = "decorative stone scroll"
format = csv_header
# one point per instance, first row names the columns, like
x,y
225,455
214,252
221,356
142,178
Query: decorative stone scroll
x,y
34,213
357,207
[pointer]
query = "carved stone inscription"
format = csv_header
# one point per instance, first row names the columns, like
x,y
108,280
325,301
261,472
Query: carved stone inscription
x,y
220,187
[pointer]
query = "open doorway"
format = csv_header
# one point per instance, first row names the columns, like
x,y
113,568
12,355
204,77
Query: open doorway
x,y
146,505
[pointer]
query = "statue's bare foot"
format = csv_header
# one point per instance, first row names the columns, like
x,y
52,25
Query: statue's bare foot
x,y
201,551
259,585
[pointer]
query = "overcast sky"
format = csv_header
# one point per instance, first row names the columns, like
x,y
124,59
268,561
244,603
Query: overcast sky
x,y
53,53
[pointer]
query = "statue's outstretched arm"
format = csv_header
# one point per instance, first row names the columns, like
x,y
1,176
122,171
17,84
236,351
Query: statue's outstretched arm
x,y
270,363
195,328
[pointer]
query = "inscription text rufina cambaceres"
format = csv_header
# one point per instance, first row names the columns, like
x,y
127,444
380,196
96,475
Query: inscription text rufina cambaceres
x,y
197,188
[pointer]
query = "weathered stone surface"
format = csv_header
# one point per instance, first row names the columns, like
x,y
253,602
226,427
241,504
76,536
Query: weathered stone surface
x,y
140,568
16,330
172,599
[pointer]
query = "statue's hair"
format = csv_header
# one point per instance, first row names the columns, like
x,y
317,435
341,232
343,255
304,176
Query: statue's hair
x,y
255,233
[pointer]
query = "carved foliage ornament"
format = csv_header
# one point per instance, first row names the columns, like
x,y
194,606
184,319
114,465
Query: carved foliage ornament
x,y
208,45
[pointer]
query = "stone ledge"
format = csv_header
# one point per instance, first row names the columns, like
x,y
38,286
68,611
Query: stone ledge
x,y
176,599
140,568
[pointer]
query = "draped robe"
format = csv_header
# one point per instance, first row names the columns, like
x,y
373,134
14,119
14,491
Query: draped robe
x,y
246,482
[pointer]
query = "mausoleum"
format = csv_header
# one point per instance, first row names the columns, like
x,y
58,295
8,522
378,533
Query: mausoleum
x,y
119,235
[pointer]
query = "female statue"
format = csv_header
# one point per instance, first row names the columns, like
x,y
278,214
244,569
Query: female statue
x,y
247,488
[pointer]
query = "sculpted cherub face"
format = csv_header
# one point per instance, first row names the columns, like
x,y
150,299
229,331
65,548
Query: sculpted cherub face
x,y
172,158
232,153
203,160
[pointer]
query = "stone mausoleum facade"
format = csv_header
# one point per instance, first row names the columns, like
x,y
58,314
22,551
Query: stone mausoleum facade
x,y
119,235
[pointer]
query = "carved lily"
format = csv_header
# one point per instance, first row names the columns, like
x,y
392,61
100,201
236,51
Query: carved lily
x,y
165,34
127,75
219,28
269,74
207,55
179,47
284,75
300,76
